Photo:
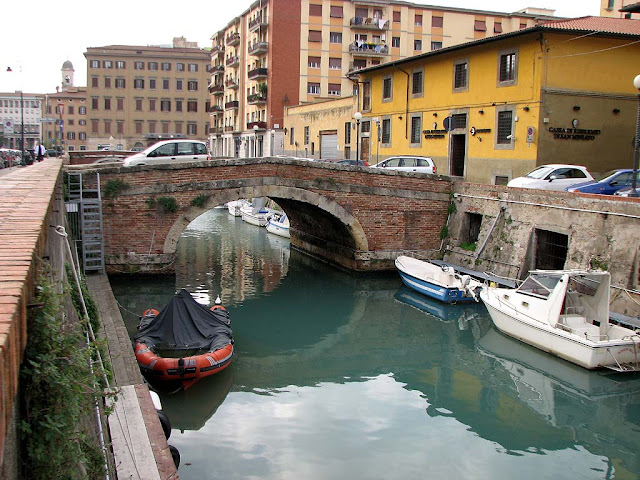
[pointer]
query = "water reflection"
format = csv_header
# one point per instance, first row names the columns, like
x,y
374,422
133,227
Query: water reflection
x,y
353,376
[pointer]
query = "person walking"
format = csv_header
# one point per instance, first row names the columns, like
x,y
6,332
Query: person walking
x,y
39,152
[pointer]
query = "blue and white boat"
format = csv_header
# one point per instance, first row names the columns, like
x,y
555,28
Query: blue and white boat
x,y
279,225
441,282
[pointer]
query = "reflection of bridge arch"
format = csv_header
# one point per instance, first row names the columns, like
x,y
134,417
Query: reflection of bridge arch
x,y
307,211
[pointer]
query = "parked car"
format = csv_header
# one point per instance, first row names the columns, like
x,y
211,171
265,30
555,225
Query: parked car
x,y
169,151
607,184
408,163
625,192
552,177
362,163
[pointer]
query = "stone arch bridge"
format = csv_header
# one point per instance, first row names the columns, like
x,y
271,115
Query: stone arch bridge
x,y
357,218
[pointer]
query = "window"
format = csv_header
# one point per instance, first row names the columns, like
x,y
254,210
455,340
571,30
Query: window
x,y
166,66
386,131
437,22
193,67
610,4
397,17
94,104
107,126
94,126
504,127
416,130
95,64
387,89
152,104
315,10
94,82
120,104
335,64
461,75
70,110
180,67
138,104
192,85
336,12
178,105
152,83
306,135
436,45
178,84
192,106
119,126
178,127
120,65
480,25
316,36
107,103
138,127
335,37
120,83
107,64
153,65
395,42
366,96
334,89
460,120
417,83
313,88
82,110
138,83
82,136
347,132
152,126
165,84
507,68
417,45
497,27
165,129
291,137
165,105
107,82
138,65
314,62
523,26
418,20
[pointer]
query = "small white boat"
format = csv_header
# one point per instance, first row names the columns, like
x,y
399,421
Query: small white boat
x,y
441,282
255,213
235,206
279,225
566,313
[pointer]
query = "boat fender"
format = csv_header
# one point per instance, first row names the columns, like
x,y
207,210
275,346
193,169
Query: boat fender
x,y
165,423
175,455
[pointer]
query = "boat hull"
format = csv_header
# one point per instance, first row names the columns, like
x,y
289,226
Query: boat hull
x,y
257,219
278,228
444,294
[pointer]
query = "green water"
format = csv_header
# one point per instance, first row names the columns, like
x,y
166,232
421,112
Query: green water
x,y
346,376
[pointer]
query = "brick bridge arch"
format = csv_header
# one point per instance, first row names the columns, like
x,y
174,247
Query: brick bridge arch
x,y
361,219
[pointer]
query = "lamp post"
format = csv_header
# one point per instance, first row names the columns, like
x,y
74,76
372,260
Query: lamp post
x,y
634,192
357,116
255,140
24,161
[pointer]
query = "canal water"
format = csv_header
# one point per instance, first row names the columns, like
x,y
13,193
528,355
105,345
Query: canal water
x,y
352,376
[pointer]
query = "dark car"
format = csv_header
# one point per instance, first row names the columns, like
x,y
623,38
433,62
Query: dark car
x,y
608,183
353,162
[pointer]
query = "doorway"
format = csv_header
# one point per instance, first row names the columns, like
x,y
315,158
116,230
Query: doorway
x,y
364,149
456,162
551,250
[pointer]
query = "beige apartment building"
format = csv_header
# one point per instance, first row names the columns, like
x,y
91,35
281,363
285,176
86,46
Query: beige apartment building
x,y
620,8
281,53
139,95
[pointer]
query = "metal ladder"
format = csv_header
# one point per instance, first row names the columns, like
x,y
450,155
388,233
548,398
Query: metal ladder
x,y
89,208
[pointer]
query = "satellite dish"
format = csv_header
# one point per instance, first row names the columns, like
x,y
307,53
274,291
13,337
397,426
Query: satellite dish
x,y
449,123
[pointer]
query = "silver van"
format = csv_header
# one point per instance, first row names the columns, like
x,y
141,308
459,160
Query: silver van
x,y
169,151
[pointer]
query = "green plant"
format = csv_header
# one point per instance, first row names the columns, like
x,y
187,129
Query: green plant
x,y
113,188
199,201
470,246
263,89
444,232
163,204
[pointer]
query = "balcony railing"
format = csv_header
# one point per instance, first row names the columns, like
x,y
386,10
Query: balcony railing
x,y
217,49
231,83
369,49
229,128
233,39
216,88
369,23
215,109
258,48
215,130
256,23
257,73
230,105
250,125
233,61
256,98
217,68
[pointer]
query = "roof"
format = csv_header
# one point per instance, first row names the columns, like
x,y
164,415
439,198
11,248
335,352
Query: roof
x,y
67,65
633,8
599,25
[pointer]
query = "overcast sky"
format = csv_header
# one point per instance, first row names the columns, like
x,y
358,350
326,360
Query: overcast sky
x,y
39,36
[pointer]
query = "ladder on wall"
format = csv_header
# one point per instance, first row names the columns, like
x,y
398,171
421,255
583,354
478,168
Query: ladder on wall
x,y
84,193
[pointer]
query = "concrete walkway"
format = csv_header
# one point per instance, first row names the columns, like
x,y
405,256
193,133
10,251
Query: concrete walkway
x,y
140,448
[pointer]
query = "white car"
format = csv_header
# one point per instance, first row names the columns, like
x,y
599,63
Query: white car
x,y
552,177
169,151
408,163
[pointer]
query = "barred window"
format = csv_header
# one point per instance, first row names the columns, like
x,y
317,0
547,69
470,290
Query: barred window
x,y
347,132
460,120
460,77
387,88
416,129
507,67
417,83
504,127
386,130
306,135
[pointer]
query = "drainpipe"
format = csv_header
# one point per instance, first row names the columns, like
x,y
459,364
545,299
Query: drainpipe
x,y
406,110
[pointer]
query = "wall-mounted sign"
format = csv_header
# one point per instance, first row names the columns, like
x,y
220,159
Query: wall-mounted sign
x,y
434,133
531,133
475,130
449,123
574,133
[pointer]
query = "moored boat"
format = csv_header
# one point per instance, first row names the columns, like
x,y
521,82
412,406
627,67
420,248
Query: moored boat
x,y
235,206
441,282
184,342
566,313
279,225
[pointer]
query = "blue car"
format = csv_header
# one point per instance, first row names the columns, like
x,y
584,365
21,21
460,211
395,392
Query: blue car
x,y
608,183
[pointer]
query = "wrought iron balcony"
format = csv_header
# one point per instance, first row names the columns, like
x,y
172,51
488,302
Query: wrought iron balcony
x,y
365,49
233,61
258,48
215,109
257,23
217,50
216,88
231,83
250,125
257,73
231,105
256,98
366,23
217,68
233,39
229,128
215,130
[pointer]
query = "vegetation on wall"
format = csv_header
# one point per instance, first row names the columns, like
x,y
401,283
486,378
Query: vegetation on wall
x,y
200,201
163,204
113,188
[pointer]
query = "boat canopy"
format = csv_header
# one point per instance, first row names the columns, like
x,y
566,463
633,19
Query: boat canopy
x,y
184,324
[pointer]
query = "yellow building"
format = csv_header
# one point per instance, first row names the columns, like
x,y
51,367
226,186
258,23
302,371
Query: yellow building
x,y
493,109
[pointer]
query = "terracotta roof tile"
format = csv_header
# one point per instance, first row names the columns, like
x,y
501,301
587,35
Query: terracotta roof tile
x,y
597,24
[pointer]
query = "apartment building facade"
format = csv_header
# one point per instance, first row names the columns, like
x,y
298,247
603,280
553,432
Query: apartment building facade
x,y
20,114
280,53
139,95
620,9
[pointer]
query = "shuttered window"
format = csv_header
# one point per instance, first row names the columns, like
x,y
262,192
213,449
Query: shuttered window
x,y
315,36
315,10
437,22
336,12
480,26
386,88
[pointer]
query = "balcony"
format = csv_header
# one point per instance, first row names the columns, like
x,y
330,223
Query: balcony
x,y
231,105
256,98
215,130
217,68
215,109
260,125
233,39
233,61
257,73
216,88
217,50
229,128
363,23
367,49
231,83
257,23
258,48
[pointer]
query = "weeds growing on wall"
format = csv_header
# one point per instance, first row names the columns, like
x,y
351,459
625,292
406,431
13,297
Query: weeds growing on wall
x,y
163,204
113,188
57,390
199,201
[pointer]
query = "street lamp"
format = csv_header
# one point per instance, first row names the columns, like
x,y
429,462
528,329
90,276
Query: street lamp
x,y
358,117
255,140
24,161
634,192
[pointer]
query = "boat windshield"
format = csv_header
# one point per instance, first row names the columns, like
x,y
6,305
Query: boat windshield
x,y
539,284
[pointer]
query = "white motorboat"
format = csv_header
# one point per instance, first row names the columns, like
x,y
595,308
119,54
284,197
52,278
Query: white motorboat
x,y
256,213
441,282
279,225
566,313
235,206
